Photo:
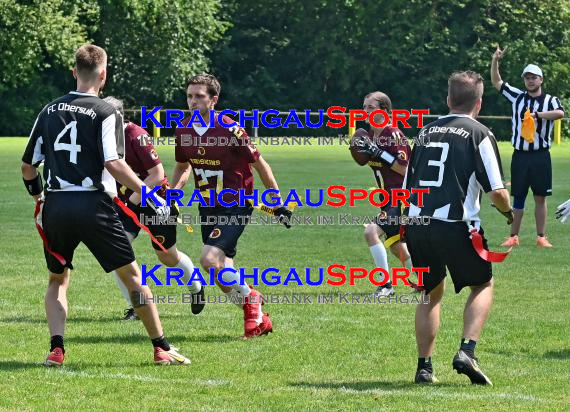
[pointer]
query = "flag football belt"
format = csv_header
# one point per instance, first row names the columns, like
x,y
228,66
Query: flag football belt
x,y
39,227
487,255
135,219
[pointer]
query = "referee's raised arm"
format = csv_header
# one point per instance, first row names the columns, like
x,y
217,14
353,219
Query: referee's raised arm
x,y
495,75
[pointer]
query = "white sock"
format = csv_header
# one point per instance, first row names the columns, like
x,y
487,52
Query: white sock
x,y
123,288
185,263
228,277
380,256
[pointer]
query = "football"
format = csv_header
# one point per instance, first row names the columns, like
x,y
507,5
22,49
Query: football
x,y
355,143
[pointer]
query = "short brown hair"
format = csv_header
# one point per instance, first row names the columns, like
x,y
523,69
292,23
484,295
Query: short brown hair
x,y
88,60
383,100
209,80
465,89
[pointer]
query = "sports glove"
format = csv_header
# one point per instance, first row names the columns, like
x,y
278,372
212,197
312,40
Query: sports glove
x,y
366,147
563,211
284,215
160,207
508,214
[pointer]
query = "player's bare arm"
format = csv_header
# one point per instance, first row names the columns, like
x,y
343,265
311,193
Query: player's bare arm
x,y
495,75
30,174
265,173
124,175
181,174
501,200
399,168
154,178
266,176
549,115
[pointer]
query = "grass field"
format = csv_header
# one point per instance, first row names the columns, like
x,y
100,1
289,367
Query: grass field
x,y
321,357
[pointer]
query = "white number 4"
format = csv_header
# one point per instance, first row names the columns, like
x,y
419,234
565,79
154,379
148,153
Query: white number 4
x,y
437,163
73,148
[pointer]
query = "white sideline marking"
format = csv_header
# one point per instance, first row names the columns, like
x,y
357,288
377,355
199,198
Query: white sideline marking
x,y
144,378
432,394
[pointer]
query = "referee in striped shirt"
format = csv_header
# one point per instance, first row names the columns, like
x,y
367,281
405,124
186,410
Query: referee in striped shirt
x,y
530,164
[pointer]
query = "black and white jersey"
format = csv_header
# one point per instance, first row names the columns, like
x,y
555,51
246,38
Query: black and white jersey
x,y
520,102
460,160
75,135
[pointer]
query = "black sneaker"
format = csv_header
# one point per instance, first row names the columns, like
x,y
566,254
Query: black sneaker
x,y
467,365
384,290
198,301
425,376
130,314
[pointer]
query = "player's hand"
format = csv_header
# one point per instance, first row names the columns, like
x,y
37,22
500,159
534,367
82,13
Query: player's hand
x,y
563,211
284,216
508,214
367,147
499,54
159,207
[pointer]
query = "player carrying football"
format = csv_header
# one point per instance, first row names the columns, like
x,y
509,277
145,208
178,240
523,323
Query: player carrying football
x,y
142,158
222,167
388,161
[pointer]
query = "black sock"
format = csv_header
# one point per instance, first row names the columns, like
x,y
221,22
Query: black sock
x,y
161,343
387,285
425,363
57,342
541,235
468,346
513,234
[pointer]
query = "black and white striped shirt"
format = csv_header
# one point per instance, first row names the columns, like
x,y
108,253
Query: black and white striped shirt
x,y
521,101
460,160
74,136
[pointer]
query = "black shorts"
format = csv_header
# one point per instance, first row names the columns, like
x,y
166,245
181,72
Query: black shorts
x,y
69,218
165,233
531,169
391,229
447,244
224,236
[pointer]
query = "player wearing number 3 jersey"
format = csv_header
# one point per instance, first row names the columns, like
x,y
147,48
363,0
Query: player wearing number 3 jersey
x,y
461,160
225,164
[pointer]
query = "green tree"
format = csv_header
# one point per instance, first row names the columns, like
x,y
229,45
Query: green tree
x,y
153,46
288,54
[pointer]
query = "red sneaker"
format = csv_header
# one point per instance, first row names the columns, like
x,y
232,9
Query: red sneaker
x,y
542,241
511,241
265,327
171,357
252,315
55,358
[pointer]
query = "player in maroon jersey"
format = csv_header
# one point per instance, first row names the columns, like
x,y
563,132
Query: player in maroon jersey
x,y
222,167
143,159
389,162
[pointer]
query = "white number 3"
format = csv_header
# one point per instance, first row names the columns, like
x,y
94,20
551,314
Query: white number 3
x,y
73,148
437,163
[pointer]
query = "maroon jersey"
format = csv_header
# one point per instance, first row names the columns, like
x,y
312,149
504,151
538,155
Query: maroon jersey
x,y
225,164
140,155
386,178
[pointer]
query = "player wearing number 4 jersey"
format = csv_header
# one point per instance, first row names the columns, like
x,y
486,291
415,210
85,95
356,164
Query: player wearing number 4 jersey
x,y
142,158
461,160
79,137
220,167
